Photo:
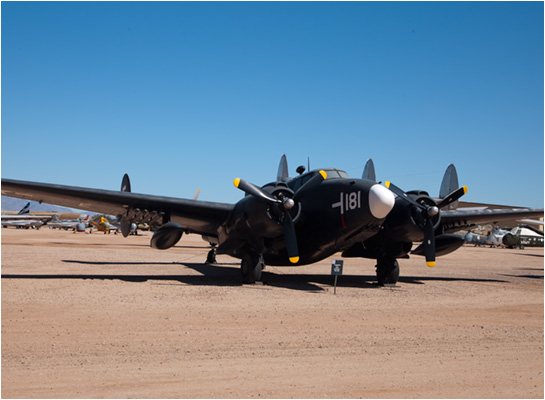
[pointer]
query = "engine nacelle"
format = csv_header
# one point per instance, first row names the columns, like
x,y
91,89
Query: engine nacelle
x,y
265,220
444,244
167,236
405,222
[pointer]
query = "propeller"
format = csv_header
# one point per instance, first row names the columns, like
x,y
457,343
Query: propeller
x,y
285,204
428,211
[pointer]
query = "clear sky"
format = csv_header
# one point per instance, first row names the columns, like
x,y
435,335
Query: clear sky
x,y
192,95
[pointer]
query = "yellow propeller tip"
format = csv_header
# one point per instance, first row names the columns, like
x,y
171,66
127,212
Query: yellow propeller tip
x,y
430,263
236,182
465,189
387,184
324,174
294,260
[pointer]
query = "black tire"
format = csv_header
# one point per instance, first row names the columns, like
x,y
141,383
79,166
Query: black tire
x,y
387,272
211,257
251,267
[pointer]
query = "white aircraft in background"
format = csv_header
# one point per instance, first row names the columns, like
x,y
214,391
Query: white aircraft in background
x,y
78,225
24,220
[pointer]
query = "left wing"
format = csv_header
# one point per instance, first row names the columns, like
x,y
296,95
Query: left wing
x,y
453,220
195,216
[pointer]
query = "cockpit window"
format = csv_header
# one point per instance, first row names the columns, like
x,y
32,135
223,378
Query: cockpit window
x,y
296,183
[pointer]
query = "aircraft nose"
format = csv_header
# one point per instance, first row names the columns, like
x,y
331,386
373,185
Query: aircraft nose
x,y
381,201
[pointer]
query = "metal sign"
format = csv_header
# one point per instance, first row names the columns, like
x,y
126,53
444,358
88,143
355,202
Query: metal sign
x,y
336,270
337,267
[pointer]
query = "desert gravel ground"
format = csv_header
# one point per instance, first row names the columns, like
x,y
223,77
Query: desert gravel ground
x,y
102,316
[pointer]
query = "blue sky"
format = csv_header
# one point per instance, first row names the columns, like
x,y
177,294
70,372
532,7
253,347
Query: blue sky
x,y
192,95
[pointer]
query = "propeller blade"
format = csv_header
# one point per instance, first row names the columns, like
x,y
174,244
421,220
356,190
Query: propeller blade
x,y
429,243
401,193
291,239
452,197
255,191
309,185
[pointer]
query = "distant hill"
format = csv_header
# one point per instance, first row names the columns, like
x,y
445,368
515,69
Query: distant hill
x,y
13,204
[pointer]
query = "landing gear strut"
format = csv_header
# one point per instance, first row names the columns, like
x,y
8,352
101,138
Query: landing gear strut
x,y
251,266
387,271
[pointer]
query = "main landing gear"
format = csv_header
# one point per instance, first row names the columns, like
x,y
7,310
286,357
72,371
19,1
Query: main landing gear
x,y
387,271
211,257
251,266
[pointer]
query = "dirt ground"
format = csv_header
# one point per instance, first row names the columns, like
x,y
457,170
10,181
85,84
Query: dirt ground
x,y
102,316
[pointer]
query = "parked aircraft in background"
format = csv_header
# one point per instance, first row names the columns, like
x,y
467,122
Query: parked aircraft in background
x,y
292,221
520,236
528,236
78,225
103,225
23,219
24,224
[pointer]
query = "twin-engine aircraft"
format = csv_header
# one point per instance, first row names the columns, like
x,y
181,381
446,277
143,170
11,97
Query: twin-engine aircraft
x,y
293,221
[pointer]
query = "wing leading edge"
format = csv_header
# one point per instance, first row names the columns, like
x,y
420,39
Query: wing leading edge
x,y
199,217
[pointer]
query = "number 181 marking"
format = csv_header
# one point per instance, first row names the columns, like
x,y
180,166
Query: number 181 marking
x,y
349,202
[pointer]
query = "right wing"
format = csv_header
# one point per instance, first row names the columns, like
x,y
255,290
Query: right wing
x,y
199,217
461,218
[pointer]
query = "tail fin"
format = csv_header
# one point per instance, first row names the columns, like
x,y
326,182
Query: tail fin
x,y
449,184
126,184
283,174
25,209
369,171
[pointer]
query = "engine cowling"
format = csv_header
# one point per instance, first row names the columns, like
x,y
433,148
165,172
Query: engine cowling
x,y
265,220
167,236
406,222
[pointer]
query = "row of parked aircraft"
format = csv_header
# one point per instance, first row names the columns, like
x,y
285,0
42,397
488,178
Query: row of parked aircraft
x,y
23,219
519,236
295,221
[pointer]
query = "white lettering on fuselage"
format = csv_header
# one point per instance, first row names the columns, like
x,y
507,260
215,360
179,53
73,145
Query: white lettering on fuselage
x,y
349,202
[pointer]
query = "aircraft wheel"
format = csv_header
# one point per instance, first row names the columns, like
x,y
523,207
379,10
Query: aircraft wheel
x,y
211,257
387,271
251,267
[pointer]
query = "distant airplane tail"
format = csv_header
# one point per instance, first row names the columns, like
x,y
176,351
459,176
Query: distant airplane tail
x,y
448,185
126,183
25,209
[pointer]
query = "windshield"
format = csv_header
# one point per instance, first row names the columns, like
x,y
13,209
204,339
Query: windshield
x,y
332,173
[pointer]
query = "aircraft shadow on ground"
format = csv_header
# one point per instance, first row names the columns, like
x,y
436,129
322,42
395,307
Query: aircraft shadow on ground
x,y
529,276
530,255
228,274
124,245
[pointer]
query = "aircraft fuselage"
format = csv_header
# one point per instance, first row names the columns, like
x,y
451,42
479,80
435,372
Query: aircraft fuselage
x,y
330,217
